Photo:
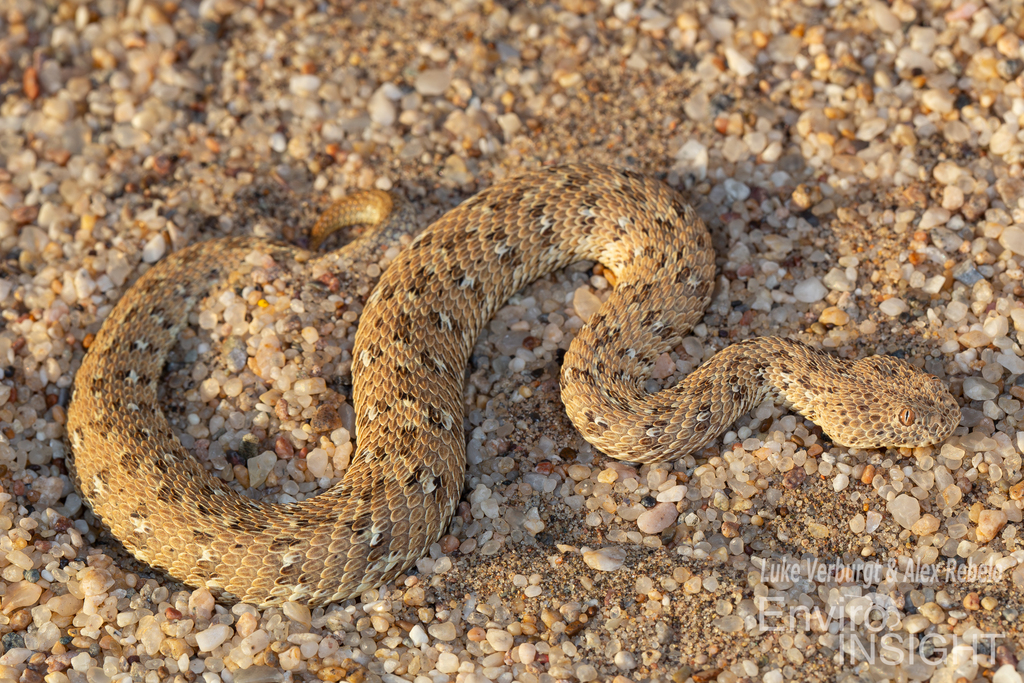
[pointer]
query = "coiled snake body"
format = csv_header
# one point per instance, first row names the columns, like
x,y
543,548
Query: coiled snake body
x,y
413,341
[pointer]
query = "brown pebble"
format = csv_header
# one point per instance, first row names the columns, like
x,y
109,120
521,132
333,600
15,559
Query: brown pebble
x,y
544,467
172,614
281,409
815,450
20,620
30,83
326,419
795,478
477,634
449,544
868,474
706,675
23,215
732,529
30,676
972,602
88,340
1004,656
241,473
530,343
283,447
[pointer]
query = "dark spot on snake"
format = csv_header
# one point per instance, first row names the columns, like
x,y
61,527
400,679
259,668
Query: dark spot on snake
x,y
515,197
168,493
424,242
436,416
428,361
200,536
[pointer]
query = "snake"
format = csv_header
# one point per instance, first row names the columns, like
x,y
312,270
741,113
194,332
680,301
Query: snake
x,y
413,341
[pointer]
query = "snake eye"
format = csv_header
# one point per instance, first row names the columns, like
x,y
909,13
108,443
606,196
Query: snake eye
x,y
907,417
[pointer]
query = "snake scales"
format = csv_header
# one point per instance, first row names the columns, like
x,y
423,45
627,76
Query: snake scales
x,y
413,341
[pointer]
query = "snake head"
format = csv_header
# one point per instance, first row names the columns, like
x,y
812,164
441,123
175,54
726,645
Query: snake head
x,y
894,404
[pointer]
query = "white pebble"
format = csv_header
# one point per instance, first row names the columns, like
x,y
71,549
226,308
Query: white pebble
x,y
893,306
154,249
212,637
810,291
605,559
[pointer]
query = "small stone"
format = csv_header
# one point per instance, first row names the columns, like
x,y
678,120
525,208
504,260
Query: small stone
x,y
916,623
432,82
966,273
946,240
933,217
871,129
260,467
837,280
95,581
500,639
905,510
728,624
810,291
658,518
672,495
977,389
586,303
893,307
381,109
886,21
443,631
21,594
212,637
304,85
310,386
738,63
928,524
990,523
624,661
606,559
297,612
1013,239
933,612
1007,673
447,663
154,249
834,316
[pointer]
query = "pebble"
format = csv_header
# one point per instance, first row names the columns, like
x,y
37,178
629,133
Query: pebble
x,y
212,637
810,291
154,249
606,559
1007,674
893,307
260,467
500,639
990,523
978,389
657,519
905,510
432,82
443,631
585,303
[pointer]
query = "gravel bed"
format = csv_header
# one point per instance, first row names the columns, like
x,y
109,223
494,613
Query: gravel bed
x,y
859,165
